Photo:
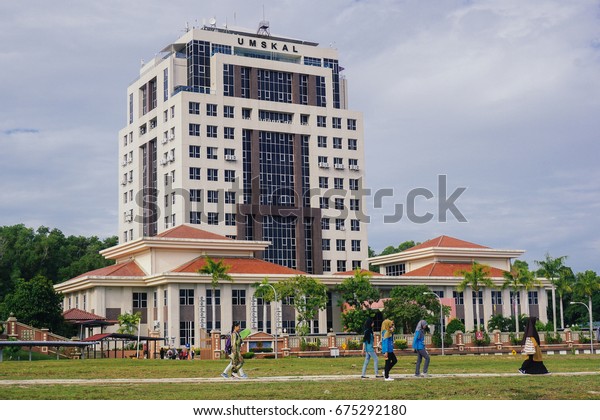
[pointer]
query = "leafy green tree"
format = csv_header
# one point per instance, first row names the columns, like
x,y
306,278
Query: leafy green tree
x,y
25,253
36,303
217,270
476,278
128,323
357,291
408,304
359,294
309,296
454,325
585,286
550,268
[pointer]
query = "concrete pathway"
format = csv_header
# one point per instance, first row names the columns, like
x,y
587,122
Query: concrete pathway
x,y
26,382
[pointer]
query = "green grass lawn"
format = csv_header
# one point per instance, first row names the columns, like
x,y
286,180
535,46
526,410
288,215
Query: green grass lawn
x,y
441,388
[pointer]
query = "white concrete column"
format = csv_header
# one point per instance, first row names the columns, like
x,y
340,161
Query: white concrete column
x,y
469,313
322,321
487,306
227,308
506,305
543,304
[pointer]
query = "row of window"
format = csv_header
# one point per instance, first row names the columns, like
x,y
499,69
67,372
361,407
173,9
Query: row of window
x,y
338,163
186,298
340,245
339,203
341,265
337,142
340,224
496,295
194,151
211,174
211,218
211,110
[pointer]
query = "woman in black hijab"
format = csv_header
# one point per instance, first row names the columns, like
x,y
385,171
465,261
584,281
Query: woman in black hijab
x,y
533,365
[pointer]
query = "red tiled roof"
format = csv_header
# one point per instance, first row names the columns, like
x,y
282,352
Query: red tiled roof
x,y
449,270
125,269
351,273
189,232
240,266
445,242
75,314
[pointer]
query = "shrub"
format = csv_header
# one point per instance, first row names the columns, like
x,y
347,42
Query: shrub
x,y
485,341
499,322
515,339
552,338
353,345
455,325
436,339
310,346
400,344
584,339
248,355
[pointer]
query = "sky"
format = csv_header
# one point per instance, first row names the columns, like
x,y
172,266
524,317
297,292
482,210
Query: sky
x,y
482,116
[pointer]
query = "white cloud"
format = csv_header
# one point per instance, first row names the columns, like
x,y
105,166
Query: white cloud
x,y
498,95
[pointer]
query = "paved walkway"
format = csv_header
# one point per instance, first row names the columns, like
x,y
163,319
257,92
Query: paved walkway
x,y
25,382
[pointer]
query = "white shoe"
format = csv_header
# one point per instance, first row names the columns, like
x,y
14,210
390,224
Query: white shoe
x,y
426,375
388,379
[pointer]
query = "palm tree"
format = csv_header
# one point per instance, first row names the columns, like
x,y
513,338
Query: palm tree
x,y
529,281
550,268
585,285
563,285
513,280
218,271
477,278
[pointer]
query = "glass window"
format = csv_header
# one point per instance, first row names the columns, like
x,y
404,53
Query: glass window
x,y
194,108
211,110
186,297
213,196
195,173
212,174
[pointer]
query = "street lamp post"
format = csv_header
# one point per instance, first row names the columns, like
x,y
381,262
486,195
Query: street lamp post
x,y
441,317
591,330
275,297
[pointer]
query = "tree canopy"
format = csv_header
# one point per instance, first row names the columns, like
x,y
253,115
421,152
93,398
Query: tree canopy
x,y
309,296
409,304
36,303
26,253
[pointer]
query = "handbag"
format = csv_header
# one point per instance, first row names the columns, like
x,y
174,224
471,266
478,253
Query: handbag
x,y
529,347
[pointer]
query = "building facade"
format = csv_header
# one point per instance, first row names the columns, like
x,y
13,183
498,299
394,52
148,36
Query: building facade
x,y
437,263
158,277
249,136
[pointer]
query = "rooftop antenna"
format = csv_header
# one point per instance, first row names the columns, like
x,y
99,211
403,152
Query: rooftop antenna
x,y
263,26
187,27
212,22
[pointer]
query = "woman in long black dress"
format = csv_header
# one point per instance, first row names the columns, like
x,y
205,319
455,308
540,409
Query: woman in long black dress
x,y
533,365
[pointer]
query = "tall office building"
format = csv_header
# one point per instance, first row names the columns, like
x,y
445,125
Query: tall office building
x,y
250,136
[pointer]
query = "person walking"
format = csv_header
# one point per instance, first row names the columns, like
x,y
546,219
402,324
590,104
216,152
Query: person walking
x,y
419,348
368,351
233,348
237,360
387,347
533,365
